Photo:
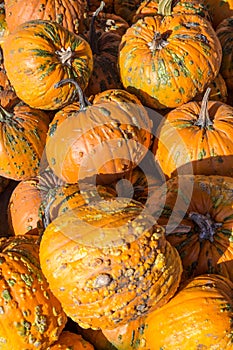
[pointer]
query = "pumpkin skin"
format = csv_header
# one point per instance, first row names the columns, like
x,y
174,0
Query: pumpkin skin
x,y
31,317
191,142
69,340
76,138
179,55
114,276
69,14
206,326
50,53
23,133
224,33
198,217
23,207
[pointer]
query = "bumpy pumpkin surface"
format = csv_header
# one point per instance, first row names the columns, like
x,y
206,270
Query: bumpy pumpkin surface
x,y
199,316
70,14
39,54
198,216
108,263
23,133
196,138
166,61
69,340
31,317
109,137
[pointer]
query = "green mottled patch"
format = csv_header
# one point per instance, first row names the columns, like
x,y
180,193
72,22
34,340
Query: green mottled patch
x,y
6,295
201,154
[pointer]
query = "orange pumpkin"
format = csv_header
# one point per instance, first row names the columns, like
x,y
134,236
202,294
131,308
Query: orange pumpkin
x,y
196,138
199,316
108,263
22,141
44,53
31,317
167,60
100,139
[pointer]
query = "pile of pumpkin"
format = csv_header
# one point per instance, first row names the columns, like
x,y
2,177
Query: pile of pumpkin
x,y
116,175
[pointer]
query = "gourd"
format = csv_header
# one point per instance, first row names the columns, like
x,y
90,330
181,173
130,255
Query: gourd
x,y
108,263
199,316
44,53
106,138
31,317
196,138
166,60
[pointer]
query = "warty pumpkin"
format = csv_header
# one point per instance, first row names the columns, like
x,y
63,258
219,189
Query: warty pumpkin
x,y
108,263
31,317
23,133
70,14
167,60
107,138
40,53
197,213
199,316
218,90
196,138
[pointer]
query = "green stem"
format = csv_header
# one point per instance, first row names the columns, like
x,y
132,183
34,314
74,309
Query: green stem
x,y
165,7
204,119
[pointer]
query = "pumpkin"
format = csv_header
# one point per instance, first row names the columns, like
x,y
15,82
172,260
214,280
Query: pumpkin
x,y
23,207
199,316
104,45
69,340
44,53
219,10
167,60
108,263
31,317
154,7
196,211
218,90
102,138
196,138
22,141
69,14
224,33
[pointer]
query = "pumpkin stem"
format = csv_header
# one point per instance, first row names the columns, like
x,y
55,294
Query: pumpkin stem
x,y
93,38
165,7
82,99
4,114
204,119
158,42
206,225
65,55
